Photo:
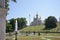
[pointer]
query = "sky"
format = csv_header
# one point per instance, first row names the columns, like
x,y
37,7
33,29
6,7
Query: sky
x,y
24,8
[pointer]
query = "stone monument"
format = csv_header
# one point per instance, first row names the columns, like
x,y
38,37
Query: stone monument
x,y
3,12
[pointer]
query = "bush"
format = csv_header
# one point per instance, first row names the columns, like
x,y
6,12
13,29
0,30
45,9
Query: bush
x,y
50,22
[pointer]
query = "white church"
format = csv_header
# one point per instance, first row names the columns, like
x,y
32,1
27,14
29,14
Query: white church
x,y
36,20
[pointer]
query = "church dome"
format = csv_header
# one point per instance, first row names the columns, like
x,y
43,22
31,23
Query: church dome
x,y
37,16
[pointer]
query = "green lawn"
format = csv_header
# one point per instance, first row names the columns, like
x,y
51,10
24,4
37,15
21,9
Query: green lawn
x,y
39,28
34,28
41,37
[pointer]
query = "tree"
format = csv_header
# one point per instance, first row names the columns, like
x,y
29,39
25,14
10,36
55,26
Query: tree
x,y
6,3
6,6
50,22
12,22
21,23
8,26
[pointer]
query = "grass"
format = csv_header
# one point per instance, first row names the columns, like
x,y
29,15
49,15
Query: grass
x,y
39,28
9,38
53,38
33,28
29,38
36,29
41,37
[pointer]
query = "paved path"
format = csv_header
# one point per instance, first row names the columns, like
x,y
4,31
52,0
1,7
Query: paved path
x,y
52,36
45,38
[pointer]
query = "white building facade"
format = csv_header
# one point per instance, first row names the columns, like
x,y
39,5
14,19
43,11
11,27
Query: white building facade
x,y
36,21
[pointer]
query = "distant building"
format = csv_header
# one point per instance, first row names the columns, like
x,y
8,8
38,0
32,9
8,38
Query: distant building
x,y
36,20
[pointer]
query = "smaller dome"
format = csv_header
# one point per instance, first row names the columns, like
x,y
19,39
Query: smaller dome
x,y
37,16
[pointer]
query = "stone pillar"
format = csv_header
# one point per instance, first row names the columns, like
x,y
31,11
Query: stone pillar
x,y
2,23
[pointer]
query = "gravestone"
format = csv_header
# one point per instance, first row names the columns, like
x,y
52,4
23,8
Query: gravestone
x,y
3,12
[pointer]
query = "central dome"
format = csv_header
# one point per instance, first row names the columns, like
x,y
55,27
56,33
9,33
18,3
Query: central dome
x,y
37,16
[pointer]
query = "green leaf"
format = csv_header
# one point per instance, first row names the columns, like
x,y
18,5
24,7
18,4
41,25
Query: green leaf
x,y
14,0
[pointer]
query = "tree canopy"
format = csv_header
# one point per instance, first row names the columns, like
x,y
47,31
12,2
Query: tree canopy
x,y
21,23
50,22
10,26
6,3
